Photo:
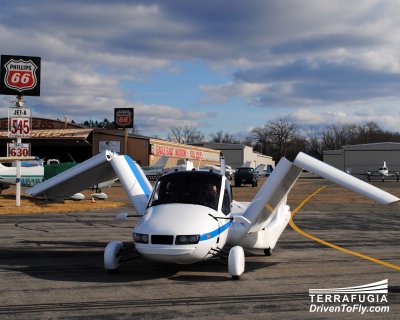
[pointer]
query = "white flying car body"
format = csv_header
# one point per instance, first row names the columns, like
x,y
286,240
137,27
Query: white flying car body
x,y
190,216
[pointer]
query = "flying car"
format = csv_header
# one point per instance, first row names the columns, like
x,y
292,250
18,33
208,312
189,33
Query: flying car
x,y
190,216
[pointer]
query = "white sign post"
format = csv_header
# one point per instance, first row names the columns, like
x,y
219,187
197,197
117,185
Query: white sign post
x,y
19,125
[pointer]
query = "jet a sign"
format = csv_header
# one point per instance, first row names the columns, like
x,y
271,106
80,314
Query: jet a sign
x,y
20,75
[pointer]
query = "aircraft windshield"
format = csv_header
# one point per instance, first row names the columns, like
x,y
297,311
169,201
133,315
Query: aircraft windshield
x,y
202,188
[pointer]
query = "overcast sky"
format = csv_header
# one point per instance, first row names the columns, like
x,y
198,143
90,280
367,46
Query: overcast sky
x,y
229,65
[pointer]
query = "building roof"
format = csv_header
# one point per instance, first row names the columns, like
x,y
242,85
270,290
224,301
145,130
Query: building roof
x,y
373,146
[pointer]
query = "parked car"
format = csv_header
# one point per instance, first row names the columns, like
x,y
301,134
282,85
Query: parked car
x,y
245,175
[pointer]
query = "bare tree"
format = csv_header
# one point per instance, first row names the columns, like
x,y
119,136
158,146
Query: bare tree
x,y
221,137
314,142
259,139
185,135
283,134
278,138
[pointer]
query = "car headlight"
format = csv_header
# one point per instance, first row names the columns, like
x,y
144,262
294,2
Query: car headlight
x,y
141,238
187,239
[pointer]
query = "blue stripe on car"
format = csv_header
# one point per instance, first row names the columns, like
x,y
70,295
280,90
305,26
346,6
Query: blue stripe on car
x,y
216,232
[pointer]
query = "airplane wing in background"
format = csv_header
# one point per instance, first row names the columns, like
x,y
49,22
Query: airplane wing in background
x,y
102,167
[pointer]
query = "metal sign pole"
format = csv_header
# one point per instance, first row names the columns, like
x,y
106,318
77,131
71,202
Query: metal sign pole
x,y
126,141
19,103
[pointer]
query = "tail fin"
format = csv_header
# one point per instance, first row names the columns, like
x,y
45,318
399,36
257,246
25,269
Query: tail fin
x,y
246,164
161,162
259,169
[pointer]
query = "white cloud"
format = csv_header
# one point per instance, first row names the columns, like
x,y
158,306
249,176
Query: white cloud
x,y
223,92
321,60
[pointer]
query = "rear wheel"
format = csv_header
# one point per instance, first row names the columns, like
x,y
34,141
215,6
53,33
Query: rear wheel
x,y
268,252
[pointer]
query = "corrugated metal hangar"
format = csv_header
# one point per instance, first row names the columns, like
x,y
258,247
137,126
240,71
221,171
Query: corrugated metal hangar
x,y
365,157
237,154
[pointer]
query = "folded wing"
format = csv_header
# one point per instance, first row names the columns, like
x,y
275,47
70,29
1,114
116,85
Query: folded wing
x,y
265,218
102,167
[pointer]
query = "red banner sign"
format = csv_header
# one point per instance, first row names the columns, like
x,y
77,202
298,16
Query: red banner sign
x,y
176,152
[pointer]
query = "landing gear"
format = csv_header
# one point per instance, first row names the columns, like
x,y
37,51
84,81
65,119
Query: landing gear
x,y
112,256
236,262
268,252
96,188
117,253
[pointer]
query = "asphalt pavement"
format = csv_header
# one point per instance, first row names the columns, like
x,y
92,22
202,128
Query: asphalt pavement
x,y
51,267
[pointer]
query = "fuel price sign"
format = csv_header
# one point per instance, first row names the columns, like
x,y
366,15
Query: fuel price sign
x,y
18,149
19,122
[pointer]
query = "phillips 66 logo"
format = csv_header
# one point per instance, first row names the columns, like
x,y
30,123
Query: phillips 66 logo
x,y
20,75
123,117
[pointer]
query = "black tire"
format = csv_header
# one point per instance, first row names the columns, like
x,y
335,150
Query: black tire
x,y
268,252
237,183
235,277
113,271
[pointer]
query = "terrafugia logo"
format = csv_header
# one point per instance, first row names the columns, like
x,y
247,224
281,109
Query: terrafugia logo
x,y
367,298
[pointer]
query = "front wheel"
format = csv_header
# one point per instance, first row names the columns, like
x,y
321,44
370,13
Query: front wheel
x,y
236,262
111,256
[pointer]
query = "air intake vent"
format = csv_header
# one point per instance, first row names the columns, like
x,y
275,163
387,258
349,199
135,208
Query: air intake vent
x,y
156,239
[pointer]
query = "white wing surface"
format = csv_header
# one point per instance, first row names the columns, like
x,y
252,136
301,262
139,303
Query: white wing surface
x,y
343,179
102,167
260,214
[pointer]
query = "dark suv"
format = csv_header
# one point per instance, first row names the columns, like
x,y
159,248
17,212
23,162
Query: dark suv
x,y
245,176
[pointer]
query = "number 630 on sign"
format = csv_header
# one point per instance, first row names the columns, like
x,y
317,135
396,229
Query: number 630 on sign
x,y
18,149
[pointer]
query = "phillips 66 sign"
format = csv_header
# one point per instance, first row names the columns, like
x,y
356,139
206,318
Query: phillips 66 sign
x,y
20,75
123,117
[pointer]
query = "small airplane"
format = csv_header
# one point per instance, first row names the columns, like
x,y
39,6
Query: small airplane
x,y
31,175
182,165
259,169
155,171
246,164
267,172
229,172
190,216
383,172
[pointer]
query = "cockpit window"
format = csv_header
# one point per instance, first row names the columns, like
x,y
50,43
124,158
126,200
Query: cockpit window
x,y
187,187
